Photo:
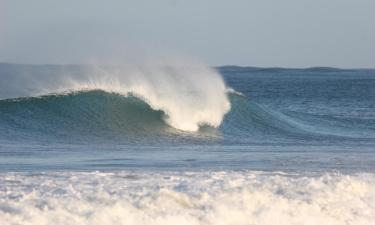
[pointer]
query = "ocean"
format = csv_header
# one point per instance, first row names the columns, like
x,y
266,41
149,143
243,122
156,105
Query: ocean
x,y
186,144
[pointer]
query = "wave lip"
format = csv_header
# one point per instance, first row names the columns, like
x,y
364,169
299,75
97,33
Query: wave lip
x,y
189,95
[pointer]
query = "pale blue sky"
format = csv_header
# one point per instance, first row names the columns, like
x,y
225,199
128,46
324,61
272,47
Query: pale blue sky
x,y
288,33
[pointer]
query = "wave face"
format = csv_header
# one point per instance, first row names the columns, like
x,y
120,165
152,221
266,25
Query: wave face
x,y
189,95
186,198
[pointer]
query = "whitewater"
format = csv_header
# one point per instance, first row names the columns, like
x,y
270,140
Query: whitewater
x,y
187,198
186,144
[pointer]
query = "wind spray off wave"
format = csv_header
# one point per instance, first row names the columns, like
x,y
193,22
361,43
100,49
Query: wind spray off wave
x,y
189,95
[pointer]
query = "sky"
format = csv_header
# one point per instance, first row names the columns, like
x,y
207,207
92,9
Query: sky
x,y
267,33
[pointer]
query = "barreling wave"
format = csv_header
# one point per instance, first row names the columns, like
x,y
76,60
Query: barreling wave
x,y
88,116
189,95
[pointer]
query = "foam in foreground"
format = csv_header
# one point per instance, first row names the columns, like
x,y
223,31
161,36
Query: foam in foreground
x,y
186,198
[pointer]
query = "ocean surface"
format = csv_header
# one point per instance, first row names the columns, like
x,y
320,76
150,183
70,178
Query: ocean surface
x,y
186,144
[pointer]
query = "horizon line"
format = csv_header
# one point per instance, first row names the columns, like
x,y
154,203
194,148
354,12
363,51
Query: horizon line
x,y
216,66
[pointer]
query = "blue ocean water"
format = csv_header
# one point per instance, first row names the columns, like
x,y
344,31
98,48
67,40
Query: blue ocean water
x,y
179,146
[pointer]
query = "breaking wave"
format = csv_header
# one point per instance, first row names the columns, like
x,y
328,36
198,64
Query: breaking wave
x,y
200,198
189,95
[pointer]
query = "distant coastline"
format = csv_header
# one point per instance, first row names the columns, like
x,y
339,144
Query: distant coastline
x,y
224,68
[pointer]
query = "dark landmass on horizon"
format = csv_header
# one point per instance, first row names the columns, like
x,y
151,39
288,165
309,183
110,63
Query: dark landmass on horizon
x,y
224,68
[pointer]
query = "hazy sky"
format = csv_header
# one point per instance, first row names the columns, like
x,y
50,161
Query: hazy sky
x,y
289,33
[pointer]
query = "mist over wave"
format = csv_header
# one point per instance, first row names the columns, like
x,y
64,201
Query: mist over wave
x,y
190,95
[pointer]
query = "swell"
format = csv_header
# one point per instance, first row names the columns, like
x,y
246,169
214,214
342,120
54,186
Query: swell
x,y
249,120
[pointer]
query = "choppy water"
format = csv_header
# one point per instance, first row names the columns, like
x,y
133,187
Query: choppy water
x,y
179,145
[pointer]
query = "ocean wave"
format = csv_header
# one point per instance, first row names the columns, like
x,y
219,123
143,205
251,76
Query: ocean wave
x,y
89,116
98,115
190,95
203,198
151,104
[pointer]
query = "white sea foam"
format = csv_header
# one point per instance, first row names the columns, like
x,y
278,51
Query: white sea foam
x,y
139,198
190,94
232,91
